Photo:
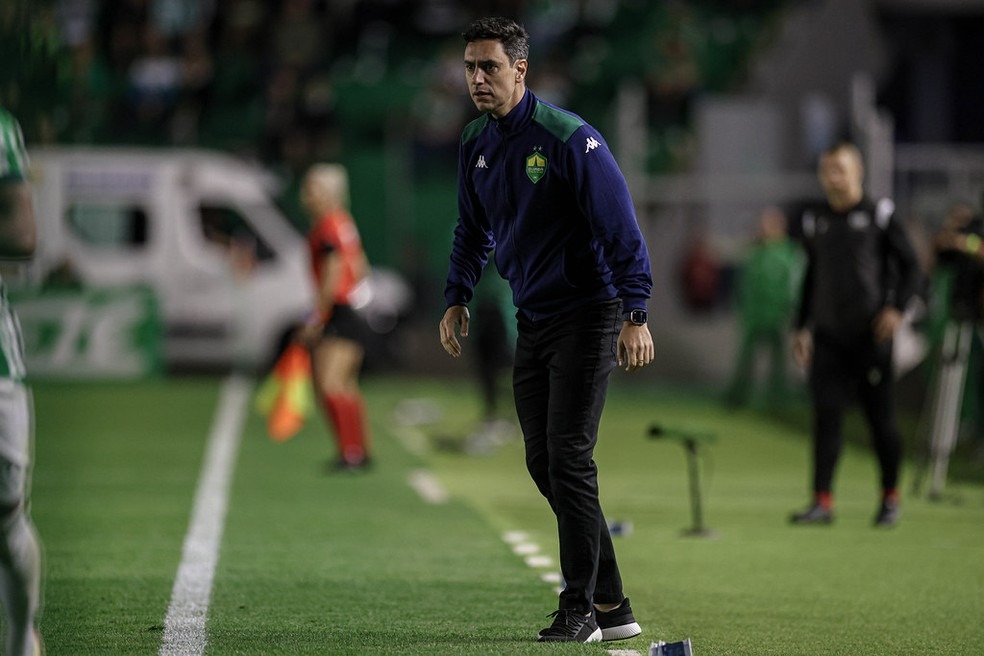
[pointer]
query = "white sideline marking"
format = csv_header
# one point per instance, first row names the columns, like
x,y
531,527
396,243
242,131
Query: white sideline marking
x,y
539,561
184,626
530,551
526,548
624,652
428,487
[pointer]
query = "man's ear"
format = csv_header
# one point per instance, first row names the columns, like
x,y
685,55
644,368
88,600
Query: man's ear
x,y
521,65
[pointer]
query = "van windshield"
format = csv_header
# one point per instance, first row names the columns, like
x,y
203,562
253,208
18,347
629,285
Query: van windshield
x,y
228,229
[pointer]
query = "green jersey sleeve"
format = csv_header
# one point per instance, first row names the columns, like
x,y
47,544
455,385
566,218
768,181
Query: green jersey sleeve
x,y
13,153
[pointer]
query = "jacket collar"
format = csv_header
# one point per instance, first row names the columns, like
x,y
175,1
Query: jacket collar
x,y
518,116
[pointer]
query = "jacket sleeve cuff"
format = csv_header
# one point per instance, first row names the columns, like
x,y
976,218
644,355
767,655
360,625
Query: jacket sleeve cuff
x,y
630,303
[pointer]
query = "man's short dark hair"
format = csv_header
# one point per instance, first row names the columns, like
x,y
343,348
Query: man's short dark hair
x,y
847,146
514,38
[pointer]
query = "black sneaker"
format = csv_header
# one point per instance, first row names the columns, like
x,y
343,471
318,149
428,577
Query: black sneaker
x,y
618,623
888,515
815,514
341,465
570,626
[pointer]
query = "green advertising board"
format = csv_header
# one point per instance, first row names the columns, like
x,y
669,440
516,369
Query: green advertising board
x,y
90,333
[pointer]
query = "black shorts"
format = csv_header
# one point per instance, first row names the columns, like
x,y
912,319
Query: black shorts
x,y
346,323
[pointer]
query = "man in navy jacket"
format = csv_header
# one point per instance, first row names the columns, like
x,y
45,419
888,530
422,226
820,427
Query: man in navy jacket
x,y
540,187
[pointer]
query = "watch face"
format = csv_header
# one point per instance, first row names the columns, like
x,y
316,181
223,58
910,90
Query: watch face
x,y
637,317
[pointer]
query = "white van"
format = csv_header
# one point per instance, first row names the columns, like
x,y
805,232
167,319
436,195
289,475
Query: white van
x,y
229,272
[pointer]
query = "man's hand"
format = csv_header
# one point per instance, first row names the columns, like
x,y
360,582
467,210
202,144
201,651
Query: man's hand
x,y
635,346
803,347
456,316
886,323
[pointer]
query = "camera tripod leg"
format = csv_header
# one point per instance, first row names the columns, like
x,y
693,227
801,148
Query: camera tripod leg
x,y
948,402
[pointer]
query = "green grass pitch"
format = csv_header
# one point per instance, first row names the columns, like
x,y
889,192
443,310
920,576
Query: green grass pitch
x,y
312,563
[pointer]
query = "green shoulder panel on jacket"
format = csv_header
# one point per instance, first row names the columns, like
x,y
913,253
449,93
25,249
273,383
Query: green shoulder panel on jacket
x,y
558,123
473,129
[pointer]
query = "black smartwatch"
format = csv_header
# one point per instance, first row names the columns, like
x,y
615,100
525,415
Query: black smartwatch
x,y
637,317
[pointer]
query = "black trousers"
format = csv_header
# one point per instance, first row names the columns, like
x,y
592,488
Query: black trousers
x,y
560,381
840,370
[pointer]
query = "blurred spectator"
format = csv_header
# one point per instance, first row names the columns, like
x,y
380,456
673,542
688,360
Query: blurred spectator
x,y
957,297
959,253
439,111
233,114
89,91
76,20
673,79
700,274
318,115
177,18
298,38
121,25
280,111
768,288
197,75
495,334
153,85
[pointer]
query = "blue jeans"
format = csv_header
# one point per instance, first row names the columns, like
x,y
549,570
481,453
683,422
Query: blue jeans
x,y
560,381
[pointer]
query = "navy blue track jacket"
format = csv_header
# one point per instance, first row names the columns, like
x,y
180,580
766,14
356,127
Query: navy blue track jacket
x,y
541,187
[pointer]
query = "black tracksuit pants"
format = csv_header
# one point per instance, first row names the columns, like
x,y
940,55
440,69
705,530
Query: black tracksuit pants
x,y
560,381
842,368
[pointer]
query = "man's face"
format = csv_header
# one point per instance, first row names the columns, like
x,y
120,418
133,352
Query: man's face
x,y
840,173
495,85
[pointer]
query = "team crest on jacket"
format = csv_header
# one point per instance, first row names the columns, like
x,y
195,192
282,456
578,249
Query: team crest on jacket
x,y
857,220
536,166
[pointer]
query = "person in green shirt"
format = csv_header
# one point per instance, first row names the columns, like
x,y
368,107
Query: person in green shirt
x,y
20,554
768,290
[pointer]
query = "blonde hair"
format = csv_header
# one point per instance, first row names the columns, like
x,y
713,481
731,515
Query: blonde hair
x,y
330,182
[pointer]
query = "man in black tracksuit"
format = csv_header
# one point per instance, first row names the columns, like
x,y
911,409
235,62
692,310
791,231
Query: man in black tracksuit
x,y
861,273
538,185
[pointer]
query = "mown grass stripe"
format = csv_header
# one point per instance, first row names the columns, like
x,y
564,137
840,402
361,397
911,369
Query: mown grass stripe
x,y
184,625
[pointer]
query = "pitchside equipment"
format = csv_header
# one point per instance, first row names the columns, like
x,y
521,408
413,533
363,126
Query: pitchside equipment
x,y
690,440
682,648
944,424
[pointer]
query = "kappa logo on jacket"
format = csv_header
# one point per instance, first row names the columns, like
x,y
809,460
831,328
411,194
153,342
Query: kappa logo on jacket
x,y
480,164
591,144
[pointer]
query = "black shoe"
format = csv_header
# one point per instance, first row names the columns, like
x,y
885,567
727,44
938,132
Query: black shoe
x,y
341,465
618,623
815,514
888,515
571,626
